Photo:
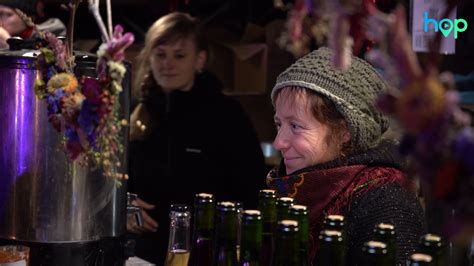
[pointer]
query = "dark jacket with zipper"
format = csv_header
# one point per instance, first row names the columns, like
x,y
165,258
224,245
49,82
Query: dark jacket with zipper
x,y
200,141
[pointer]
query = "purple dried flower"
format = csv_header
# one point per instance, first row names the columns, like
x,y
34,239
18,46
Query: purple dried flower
x,y
54,101
92,90
58,48
88,118
119,42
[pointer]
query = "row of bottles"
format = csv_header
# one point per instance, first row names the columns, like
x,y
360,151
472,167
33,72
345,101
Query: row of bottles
x,y
381,251
224,234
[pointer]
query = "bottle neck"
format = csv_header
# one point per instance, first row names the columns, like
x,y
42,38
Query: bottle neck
x,y
377,258
251,247
226,238
226,229
286,249
303,231
267,206
204,222
204,217
331,253
179,235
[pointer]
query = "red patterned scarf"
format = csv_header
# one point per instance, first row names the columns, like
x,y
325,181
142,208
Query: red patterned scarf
x,y
330,191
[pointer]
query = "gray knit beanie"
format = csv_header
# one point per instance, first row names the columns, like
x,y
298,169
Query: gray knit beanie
x,y
353,92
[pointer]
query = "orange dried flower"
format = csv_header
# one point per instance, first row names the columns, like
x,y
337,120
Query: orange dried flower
x,y
65,81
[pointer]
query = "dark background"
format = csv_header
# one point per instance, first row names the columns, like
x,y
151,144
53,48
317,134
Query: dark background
x,y
231,17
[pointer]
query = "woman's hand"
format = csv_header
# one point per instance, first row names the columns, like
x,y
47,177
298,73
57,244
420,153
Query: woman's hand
x,y
149,224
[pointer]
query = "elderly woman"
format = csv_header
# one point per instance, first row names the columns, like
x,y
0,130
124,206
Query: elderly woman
x,y
187,136
334,158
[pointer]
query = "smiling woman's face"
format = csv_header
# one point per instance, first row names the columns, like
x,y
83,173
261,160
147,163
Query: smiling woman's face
x,y
302,140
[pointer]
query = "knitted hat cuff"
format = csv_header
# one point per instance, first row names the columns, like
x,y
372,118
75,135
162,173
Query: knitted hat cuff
x,y
334,98
25,18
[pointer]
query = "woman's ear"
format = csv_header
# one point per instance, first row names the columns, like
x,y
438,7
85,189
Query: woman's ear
x,y
201,60
346,135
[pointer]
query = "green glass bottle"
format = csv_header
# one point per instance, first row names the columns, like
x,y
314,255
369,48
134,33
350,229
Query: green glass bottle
x,y
334,222
225,248
240,209
386,233
375,253
331,250
283,205
420,259
267,207
203,230
179,236
300,214
286,244
432,245
251,248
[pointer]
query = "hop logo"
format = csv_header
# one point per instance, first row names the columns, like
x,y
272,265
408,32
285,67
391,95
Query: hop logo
x,y
445,25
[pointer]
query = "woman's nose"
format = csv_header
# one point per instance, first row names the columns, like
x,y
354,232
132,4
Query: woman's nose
x,y
168,62
281,141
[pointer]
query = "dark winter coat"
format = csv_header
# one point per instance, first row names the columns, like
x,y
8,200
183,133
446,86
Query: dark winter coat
x,y
200,141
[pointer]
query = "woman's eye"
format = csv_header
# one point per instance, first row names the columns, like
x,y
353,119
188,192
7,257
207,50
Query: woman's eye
x,y
160,56
294,126
180,56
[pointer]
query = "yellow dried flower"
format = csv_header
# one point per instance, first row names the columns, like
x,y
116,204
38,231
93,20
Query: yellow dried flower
x,y
65,81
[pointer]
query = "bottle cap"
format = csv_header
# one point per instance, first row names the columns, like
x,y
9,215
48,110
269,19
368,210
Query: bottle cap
x,y
331,236
284,201
431,240
385,229
267,193
298,210
249,215
203,198
374,247
287,226
226,206
334,221
420,259
179,208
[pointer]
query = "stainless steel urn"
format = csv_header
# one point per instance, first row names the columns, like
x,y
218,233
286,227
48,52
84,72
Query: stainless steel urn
x,y
44,196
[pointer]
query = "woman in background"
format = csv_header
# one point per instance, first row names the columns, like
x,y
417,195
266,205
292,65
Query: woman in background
x,y
334,158
186,137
